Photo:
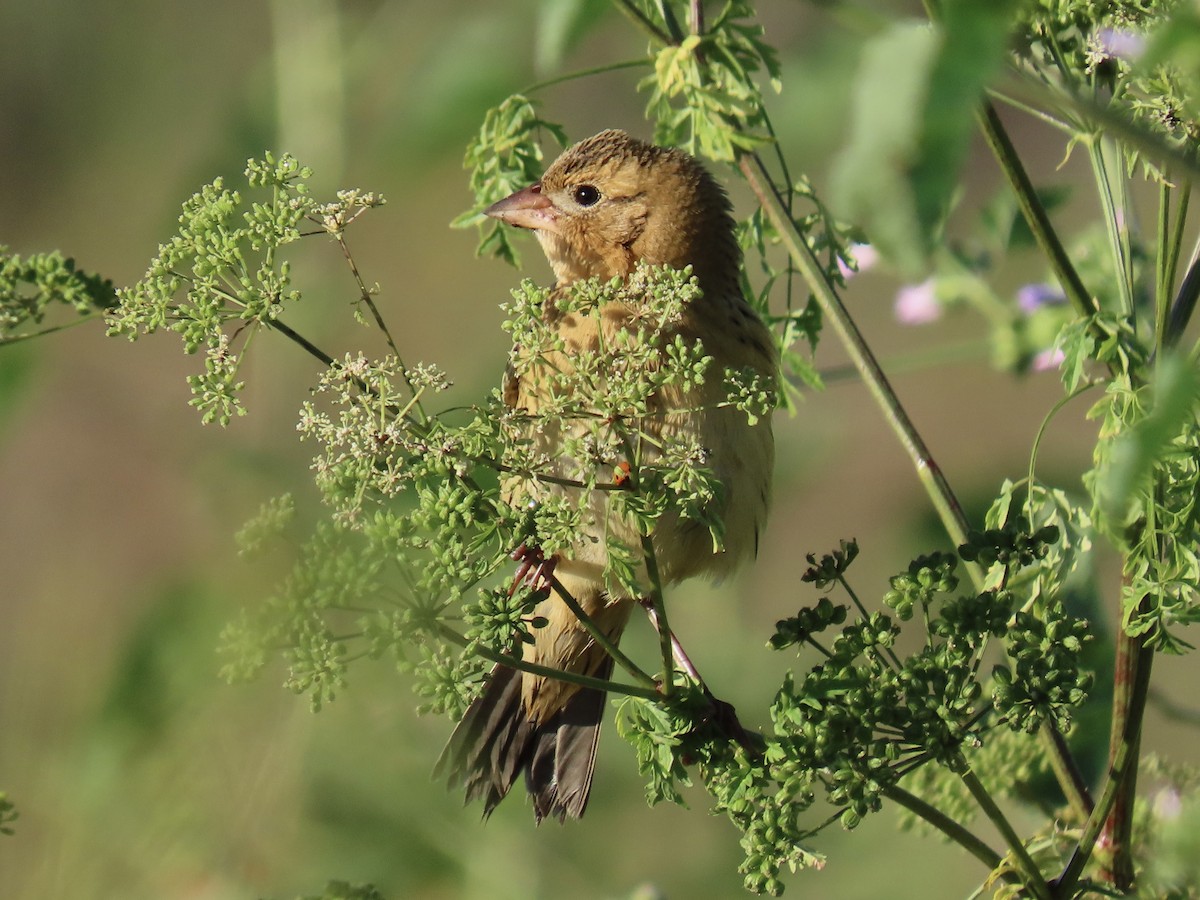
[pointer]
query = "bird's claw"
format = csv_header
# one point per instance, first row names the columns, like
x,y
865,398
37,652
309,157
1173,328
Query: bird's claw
x,y
534,570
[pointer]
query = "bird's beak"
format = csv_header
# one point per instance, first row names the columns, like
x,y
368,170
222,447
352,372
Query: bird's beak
x,y
528,208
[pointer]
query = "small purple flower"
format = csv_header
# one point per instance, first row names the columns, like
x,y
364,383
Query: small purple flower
x,y
1047,360
1116,43
864,257
1032,297
917,304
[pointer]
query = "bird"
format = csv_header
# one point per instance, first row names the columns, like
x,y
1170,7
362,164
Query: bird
x,y
602,207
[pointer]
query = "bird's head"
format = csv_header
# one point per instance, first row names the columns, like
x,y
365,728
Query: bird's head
x,y
612,200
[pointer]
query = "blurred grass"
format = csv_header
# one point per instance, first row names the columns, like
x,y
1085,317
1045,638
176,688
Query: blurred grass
x,y
137,773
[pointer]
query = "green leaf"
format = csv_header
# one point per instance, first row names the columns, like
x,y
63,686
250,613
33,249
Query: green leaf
x,y
914,103
560,25
974,43
1135,453
871,180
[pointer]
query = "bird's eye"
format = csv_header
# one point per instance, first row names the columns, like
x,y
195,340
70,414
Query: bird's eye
x,y
586,195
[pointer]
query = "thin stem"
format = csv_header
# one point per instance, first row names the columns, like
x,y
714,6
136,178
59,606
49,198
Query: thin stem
x,y
640,20
1064,885
1173,323
1135,658
1185,194
668,16
1113,226
1033,211
660,614
946,825
602,640
302,341
680,655
365,296
1033,880
1033,111
1104,117
948,508
1183,307
516,662
1067,772
51,329
1037,443
1162,280
585,73
866,616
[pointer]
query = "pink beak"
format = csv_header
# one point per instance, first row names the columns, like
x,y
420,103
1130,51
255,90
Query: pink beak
x,y
528,208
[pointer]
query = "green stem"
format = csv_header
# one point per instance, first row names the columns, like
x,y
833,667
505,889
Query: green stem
x,y
1104,117
1067,773
1176,245
299,339
1064,885
1135,658
597,634
584,73
1117,230
948,508
365,296
639,19
51,329
1033,211
946,825
1034,881
658,604
516,662
1162,280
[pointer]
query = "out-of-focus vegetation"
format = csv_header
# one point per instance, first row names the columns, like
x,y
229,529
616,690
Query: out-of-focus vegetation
x,y
136,772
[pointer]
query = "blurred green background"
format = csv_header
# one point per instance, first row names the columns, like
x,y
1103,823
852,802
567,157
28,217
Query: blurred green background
x,y
136,772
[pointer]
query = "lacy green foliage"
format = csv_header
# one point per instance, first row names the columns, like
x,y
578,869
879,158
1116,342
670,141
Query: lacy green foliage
x,y
422,521
798,324
1144,487
222,276
31,286
8,814
864,717
504,157
1138,51
273,517
686,731
1042,508
852,726
703,94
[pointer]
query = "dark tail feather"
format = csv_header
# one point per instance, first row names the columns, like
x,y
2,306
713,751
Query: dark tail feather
x,y
496,740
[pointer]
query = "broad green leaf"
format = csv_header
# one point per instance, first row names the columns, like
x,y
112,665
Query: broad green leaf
x,y
975,40
914,106
871,180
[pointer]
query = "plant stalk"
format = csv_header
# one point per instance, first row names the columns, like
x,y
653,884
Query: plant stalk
x,y
1034,881
946,825
517,662
949,510
1033,211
